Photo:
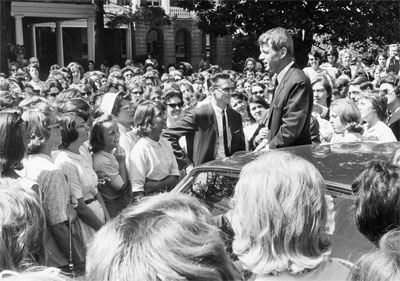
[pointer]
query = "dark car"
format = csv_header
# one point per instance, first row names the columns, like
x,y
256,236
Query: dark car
x,y
340,164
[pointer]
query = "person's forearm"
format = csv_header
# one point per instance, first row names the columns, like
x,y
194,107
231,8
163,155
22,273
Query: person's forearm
x,y
169,181
103,205
123,172
60,234
88,217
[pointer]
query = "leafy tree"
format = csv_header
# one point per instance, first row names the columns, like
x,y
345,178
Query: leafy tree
x,y
345,21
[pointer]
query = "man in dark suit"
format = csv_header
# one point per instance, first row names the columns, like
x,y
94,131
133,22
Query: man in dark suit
x,y
389,87
208,136
288,121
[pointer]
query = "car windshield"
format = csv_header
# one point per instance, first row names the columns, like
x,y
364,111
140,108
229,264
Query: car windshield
x,y
214,188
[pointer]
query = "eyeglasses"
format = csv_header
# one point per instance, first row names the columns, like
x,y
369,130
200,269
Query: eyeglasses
x,y
174,105
13,69
258,92
137,93
227,90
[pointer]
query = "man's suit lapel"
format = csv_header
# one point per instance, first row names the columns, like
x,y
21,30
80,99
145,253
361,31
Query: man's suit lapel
x,y
279,90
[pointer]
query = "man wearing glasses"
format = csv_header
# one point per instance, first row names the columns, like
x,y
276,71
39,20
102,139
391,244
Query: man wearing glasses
x,y
288,120
212,131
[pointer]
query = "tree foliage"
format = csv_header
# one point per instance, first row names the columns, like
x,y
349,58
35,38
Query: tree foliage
x,y
345,21
155,15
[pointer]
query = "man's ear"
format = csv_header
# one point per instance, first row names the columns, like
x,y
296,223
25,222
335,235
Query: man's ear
x,y
283,52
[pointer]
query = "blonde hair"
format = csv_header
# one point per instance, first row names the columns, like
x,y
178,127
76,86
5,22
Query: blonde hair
x,y
166,237
382,264
35,274
22,224
279,215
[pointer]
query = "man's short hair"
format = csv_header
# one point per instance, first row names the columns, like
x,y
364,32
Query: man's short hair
x,y
279,38
213,81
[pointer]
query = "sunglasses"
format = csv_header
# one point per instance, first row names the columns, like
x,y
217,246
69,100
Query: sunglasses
x,y
174,105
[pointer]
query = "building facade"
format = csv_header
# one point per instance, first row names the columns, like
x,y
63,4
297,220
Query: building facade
x,y
61,31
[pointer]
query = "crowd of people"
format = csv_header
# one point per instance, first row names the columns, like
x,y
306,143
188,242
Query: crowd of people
x,y
87,160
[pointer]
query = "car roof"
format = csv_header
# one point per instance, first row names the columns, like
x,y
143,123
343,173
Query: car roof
x,y
339,163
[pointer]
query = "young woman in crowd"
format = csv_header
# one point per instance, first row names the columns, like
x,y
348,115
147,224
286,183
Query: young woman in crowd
x,y
109,163
76,72
92,213
44,132
13,142
256,132
36,83
314,69
373,110
153,166
165,237
120,106
345,120
173,100
280,220
322,91
239,103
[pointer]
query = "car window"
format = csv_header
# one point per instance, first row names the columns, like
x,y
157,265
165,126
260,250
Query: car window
x,y
215,189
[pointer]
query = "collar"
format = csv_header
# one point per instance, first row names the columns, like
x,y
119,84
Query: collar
x,y
216,108
283,72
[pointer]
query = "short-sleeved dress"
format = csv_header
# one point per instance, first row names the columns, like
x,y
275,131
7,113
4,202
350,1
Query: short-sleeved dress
x,y
82,180
55,196
105,164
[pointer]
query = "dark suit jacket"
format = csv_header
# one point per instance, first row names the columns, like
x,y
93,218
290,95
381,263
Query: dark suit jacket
x,y
290,113
394,124
200,128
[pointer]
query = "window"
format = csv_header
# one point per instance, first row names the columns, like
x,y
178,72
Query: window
x,y
154,3
215,189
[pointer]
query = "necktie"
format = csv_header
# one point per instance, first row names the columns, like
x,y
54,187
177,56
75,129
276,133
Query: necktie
x,y
225,134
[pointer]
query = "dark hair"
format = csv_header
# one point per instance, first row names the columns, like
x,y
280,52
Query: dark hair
x,y
8,99
327,86
377,206
380,54
50,83
170,93
69,134
12,147
76,106
258,100
240,94
97,133
144,115
315,54
213,81
333,51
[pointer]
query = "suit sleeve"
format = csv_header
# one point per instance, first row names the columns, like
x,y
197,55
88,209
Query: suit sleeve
x,y
183,127
295,115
